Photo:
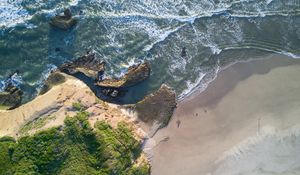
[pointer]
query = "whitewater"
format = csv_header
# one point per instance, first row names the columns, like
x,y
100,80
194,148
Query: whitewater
x,y
216,33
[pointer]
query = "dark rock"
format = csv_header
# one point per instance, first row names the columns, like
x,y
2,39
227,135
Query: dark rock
x,y
100,75
156,109
113,93
65,21
183,52
87,64
55,78
134,75
11,97
68,13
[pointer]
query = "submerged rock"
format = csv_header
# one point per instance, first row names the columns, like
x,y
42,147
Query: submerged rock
x,y
157,108
87,64
65,21
11,97
112,92
134,75
183,52
55,78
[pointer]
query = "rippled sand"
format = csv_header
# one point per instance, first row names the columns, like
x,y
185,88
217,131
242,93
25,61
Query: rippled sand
x,y
246,122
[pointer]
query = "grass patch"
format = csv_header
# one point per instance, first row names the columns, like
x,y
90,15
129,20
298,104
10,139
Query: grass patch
x,y
35,124
78,106
2,107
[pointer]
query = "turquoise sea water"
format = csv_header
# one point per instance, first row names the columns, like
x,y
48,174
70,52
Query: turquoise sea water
x,y
124,32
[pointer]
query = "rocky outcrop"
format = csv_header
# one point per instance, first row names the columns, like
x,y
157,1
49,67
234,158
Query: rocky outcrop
x,y
134,75
54,79
156,109
11,97
93,70
113,93
64,22
87,64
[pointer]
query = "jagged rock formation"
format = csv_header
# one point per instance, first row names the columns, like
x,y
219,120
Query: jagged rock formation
x,y
63,22
94,69
11,97
55,78
87,64
157,108
134,75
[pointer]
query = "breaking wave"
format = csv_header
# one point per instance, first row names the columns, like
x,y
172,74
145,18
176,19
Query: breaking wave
x,y
15,12
15,79
12,13
131,31
45,74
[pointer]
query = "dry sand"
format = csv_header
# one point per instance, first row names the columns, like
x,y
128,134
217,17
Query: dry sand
x,y
245,122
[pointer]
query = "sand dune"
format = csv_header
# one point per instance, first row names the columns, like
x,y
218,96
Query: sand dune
x,y
246,122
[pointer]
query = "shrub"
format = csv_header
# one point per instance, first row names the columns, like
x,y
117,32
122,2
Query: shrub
x,y
76,149
78,106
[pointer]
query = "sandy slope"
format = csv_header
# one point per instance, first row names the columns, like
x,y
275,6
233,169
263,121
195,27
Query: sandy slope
x,y
51,103
245,123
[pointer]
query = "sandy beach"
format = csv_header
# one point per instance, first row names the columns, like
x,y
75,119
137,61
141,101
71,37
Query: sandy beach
x,y
246,122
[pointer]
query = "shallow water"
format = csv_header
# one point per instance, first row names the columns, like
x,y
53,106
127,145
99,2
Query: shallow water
x,y
214,33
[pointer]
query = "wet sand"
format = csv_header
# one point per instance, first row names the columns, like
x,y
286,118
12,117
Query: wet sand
x,y
236,126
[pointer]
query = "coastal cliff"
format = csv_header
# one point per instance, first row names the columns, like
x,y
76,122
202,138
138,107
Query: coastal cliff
x,y
64,98
69,106
58,102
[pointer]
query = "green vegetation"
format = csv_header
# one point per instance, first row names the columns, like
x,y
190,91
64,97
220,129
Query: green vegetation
x,y
3,107
35,124
78,106
74,149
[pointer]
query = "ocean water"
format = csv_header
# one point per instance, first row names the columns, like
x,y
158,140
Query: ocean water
x,y
215,33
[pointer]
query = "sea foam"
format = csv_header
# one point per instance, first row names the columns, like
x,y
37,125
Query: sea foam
x,y
12,13
15,79
45,74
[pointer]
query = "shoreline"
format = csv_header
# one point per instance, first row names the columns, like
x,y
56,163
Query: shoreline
x,y
194,92
198,90
232,102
